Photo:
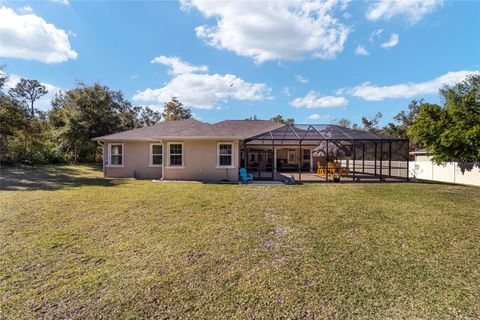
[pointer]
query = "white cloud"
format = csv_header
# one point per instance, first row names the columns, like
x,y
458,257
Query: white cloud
x,y
317,116
360,50
30,37
154,107
392,42
314,116
286,91
273,30
301,79
314,100
25,9
413,10
374,35
177,66
205,91
371,92
65,2
134,77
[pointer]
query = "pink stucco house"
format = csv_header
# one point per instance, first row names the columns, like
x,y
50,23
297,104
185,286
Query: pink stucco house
x,y
195,150
180,150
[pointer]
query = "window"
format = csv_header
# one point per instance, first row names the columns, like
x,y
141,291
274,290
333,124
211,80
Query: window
x,y
116,154
292,156
306,155
176,155
156,154
269,157
225,155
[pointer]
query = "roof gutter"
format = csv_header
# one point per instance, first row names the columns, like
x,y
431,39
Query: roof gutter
x,y
172,138
123,139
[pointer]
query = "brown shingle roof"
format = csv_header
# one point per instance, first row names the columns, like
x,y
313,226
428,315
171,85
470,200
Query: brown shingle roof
x,y
235,129
202,130
248,128
181,128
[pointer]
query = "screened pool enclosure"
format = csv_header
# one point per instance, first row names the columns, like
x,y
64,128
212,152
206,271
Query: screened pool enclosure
x,y
312,152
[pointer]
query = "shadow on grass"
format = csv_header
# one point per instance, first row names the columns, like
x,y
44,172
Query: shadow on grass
x,y
52,177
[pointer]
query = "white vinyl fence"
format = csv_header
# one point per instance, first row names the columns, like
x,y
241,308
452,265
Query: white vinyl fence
x,y
463,173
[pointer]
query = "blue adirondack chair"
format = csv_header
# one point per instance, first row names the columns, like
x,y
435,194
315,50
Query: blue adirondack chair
x,y
245,176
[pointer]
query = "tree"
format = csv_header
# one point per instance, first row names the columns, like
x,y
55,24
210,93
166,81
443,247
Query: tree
x,y
279,119
26,92
24,139
254,118
371,125
174,110
87,112
146,116
14,122
3,76
343,122
452,131
405,120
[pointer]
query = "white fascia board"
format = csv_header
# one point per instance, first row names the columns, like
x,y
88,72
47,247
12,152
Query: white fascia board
x,y
220,138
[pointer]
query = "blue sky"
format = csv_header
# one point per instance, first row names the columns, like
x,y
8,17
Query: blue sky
x,y
313,61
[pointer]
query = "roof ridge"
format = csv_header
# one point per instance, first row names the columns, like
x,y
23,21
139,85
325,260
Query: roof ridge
x,y
134,129
222,129
245,120
196,124
147,128
201,123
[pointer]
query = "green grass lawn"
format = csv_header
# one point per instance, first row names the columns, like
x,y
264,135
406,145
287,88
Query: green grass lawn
x,y
74,245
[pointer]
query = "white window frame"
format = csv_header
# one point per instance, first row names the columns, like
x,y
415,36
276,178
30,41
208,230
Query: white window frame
x,y
294,153
110,145
183,156
309,154
150,155
232,166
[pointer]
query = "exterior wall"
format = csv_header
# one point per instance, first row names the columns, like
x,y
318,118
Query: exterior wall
x,y
135,162
200,162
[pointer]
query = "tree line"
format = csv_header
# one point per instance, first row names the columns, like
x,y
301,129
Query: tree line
x,y
451,131
64,133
